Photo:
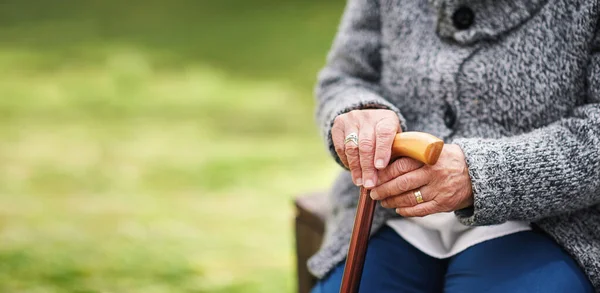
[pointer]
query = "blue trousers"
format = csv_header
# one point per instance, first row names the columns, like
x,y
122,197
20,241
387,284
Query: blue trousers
x,y
522,262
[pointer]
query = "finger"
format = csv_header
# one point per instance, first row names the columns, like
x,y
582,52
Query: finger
x,y
408,199
420,210
385,132
397,168
409,181
351,151
366,150
337,137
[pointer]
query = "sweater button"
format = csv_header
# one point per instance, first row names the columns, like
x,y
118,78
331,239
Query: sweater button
x,y
463,18
449,116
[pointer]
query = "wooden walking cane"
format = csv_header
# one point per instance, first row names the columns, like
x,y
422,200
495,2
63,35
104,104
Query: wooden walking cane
x,y
417,145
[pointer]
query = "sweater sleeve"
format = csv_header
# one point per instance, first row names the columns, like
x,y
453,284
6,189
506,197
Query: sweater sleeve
x,y
549,171
350,80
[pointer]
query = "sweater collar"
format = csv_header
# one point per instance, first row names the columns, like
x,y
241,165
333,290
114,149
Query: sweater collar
x,y
492,17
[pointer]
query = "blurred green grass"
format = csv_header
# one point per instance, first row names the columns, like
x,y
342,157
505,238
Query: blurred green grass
x,y
155,146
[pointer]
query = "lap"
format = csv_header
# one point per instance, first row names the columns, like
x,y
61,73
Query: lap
x,y
391,265
520,262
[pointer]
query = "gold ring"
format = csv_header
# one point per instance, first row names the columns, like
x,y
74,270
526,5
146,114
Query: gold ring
x,y
418,196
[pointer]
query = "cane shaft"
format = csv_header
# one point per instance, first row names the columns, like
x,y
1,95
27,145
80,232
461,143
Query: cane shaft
x,y
358,242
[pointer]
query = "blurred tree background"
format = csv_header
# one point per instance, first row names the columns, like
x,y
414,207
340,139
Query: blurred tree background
x,y
155,146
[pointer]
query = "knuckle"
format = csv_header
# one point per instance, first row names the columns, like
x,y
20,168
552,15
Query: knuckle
x,y
339,147
353,114
427,210
383,192
337,128
393,202
354,167
368,169
351,149
438,168
351,156
402,201
383,151
338,123
400,184
442,172
385,130
382,177
386,204
353,159
389,114
385,174
411,199
400,166
455,166
419,213
365,153
340,152
337,138
429,172
403,212
381,147
399,202
366,144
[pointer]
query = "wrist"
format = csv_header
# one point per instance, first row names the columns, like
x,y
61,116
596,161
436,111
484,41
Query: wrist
x,y
460,163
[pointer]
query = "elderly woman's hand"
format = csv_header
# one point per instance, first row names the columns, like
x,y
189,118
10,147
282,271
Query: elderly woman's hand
x,y
444,187
376,130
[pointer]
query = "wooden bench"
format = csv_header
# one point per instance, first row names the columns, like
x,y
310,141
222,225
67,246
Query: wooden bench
x,y
311,211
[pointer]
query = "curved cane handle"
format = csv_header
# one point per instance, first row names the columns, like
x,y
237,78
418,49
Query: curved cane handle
x,y
420,146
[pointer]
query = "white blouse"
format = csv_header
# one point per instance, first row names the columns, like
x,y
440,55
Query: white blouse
x,y
442,235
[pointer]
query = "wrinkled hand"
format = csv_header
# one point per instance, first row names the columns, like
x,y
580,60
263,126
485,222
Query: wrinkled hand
x,y
445,186
376,130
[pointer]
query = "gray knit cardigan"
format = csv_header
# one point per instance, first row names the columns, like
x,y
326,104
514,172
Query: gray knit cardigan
x,y
518,89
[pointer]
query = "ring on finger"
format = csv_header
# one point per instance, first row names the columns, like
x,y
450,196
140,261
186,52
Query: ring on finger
x,y
418,196
352,137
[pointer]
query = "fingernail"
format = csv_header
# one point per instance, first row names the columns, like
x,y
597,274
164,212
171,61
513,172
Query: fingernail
x,y
369,183
358,181
374,195
379,164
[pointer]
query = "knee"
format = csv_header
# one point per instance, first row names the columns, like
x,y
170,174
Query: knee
x,y
564,277
554,277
